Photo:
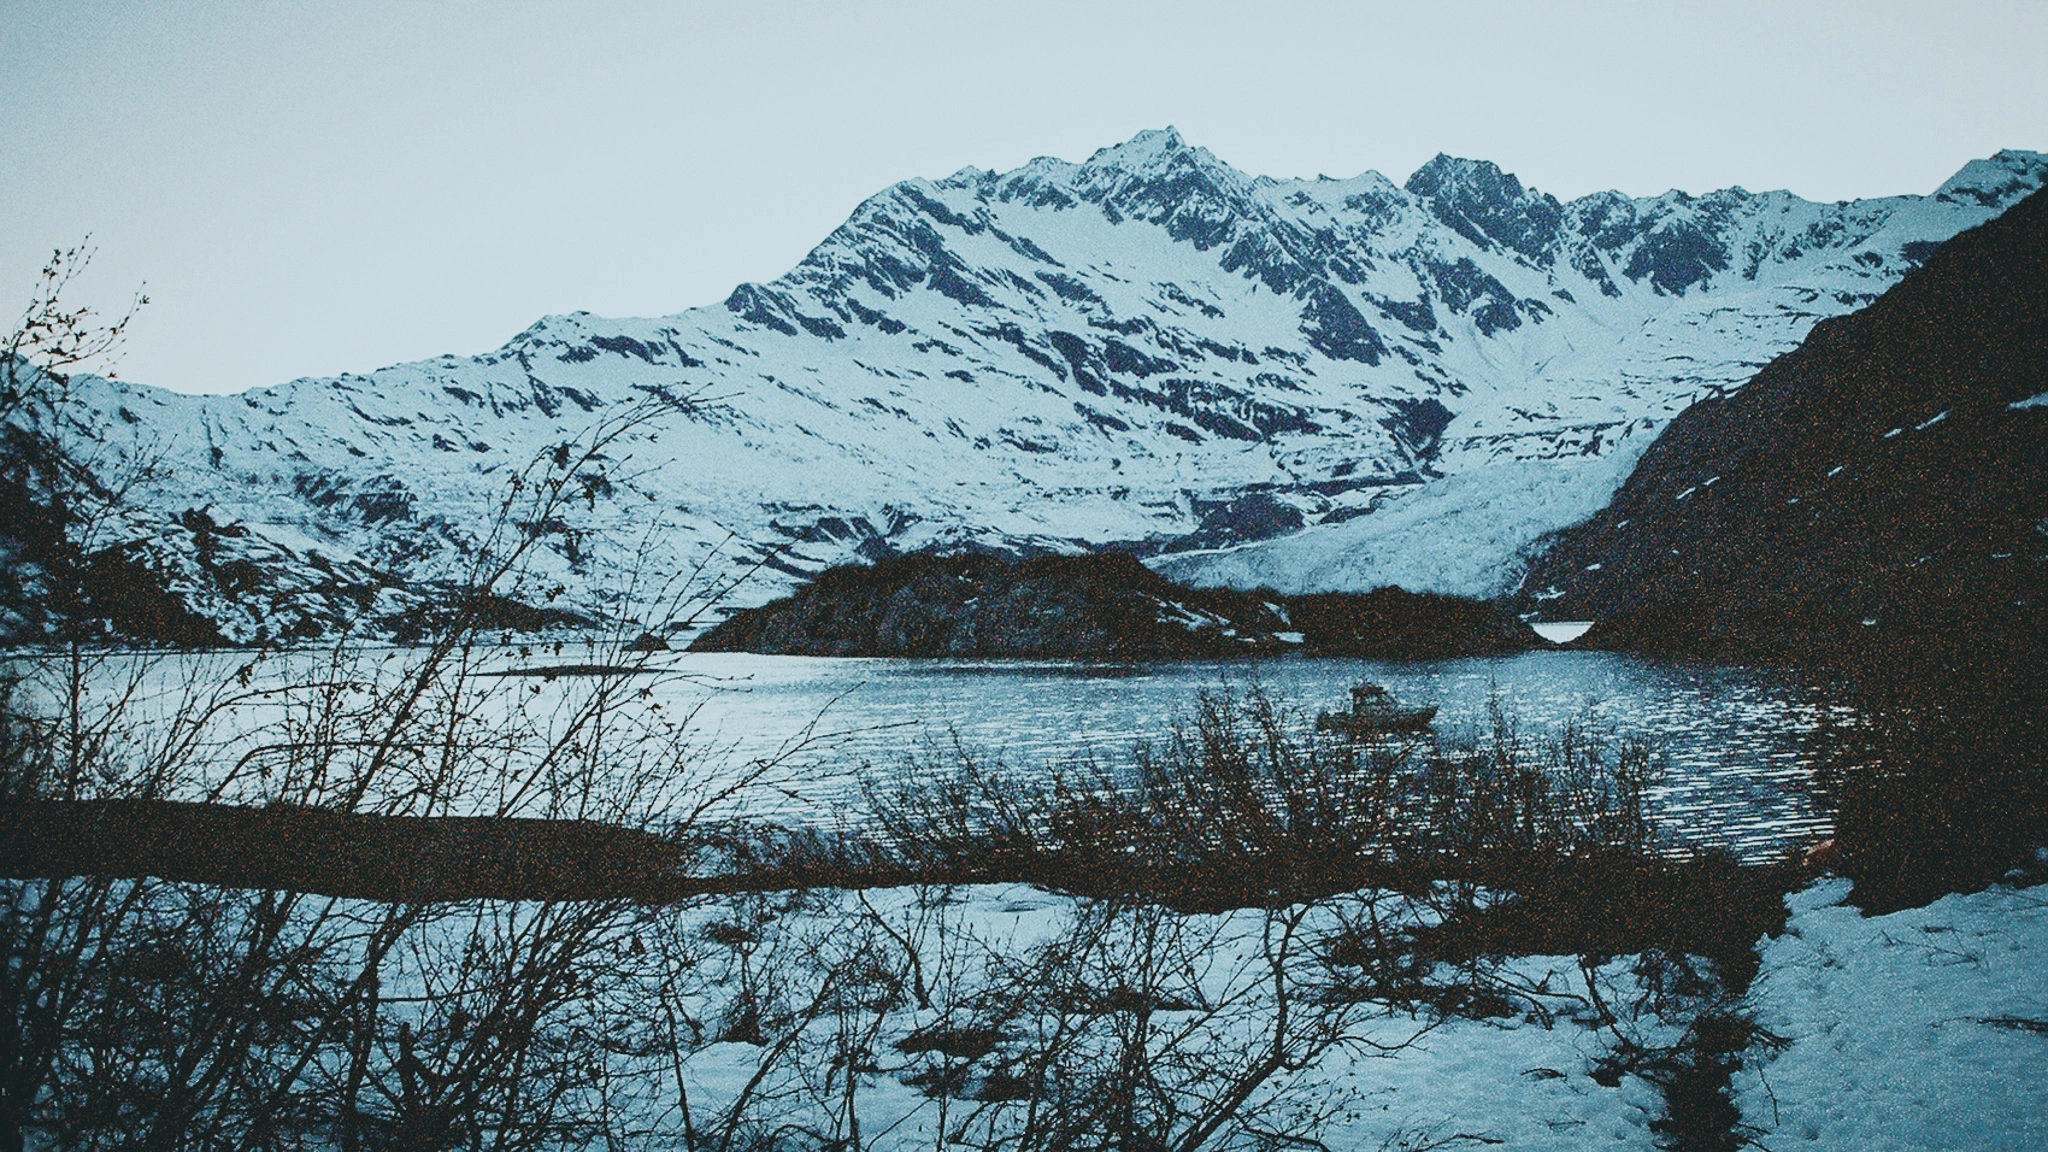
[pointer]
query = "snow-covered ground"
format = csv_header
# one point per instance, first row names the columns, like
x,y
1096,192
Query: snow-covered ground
x,y
1917,1030
1923,1029
1399,1076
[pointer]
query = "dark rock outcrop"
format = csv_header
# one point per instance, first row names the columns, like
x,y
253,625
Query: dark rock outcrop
x,y
1099,607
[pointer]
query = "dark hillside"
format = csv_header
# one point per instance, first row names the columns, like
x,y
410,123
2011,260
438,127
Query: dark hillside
x,y
1885,481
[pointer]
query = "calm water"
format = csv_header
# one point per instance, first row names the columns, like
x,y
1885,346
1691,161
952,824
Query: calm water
x,y
1736,766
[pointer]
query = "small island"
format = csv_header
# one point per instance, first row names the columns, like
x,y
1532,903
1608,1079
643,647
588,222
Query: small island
x,y
1106,606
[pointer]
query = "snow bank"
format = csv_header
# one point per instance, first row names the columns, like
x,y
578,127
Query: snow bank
x,y
1918,1030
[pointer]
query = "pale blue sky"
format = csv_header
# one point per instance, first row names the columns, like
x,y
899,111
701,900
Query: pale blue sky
x,y
317,188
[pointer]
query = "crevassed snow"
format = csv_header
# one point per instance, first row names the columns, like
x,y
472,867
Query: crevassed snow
x,y
1464,533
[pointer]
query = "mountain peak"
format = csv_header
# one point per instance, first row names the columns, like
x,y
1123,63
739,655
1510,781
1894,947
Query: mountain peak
x,y
1488,206
1150,349
1151,150
1996,182
1444,169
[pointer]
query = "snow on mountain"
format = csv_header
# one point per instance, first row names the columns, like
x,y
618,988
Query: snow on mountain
x,y
1313,384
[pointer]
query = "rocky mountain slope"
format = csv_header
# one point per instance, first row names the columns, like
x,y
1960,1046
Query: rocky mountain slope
x,y
1888,479
1308,384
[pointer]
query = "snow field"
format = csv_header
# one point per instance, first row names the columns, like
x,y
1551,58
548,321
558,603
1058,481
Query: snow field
x,y
1916,1030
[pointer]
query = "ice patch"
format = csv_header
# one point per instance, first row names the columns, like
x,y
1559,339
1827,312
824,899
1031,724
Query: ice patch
x,y
1561,631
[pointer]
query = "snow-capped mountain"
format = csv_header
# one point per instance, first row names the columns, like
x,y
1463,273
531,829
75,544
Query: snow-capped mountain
x,y
1312,384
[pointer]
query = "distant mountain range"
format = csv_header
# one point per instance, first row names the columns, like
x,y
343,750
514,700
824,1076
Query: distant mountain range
x,y
1314,385
1887,480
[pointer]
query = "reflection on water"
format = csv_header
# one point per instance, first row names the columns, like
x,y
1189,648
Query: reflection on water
x,y
1736,766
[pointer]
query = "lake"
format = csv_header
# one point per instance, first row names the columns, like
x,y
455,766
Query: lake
x,y
1737,764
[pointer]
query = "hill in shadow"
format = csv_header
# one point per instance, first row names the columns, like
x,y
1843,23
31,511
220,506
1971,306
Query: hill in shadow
x,y
1886,480
1097,607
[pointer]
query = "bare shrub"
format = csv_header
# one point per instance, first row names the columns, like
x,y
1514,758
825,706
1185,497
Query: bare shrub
x,y
151,1013
1242,805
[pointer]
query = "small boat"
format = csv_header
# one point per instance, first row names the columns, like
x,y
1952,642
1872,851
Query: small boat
x,y
1374,713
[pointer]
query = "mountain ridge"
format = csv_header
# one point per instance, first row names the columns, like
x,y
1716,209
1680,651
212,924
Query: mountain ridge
x,y
1314,385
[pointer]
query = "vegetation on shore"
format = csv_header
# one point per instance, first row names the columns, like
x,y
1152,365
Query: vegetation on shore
x,y
1934,763
1939,781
